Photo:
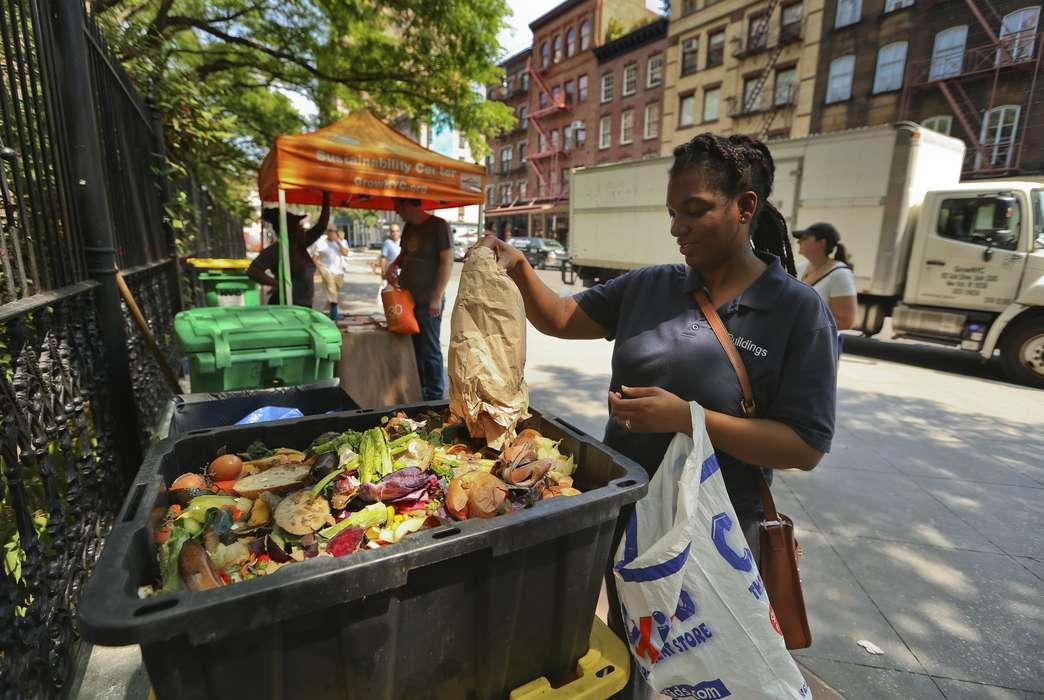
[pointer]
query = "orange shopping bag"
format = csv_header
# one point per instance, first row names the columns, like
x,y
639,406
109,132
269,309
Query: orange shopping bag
x,y
398,309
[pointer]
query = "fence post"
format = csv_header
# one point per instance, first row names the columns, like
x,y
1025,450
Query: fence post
x,y
94,220
160,158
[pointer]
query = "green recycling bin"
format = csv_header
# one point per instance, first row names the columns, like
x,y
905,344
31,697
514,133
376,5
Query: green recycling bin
x,y
229,288
255,347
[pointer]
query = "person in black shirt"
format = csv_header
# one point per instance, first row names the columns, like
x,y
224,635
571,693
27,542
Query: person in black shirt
x,y
265,268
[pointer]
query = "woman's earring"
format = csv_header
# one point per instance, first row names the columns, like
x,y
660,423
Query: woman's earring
x,y
743,219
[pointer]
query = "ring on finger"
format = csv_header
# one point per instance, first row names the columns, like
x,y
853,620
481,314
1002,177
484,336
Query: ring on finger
x,y
627,424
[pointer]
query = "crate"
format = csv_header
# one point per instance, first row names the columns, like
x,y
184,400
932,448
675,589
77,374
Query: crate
x,y
197,411
600,673
468,610
232,348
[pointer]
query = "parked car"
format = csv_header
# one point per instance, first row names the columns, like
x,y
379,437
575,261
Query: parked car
x,y
541,252
461,243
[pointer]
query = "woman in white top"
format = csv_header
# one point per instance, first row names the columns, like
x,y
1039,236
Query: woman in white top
x,y
831,277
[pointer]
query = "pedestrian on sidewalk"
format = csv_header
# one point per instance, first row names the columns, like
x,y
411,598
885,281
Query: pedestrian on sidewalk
x,y
423,267
390,249
265,268
831,277
736,250
331,256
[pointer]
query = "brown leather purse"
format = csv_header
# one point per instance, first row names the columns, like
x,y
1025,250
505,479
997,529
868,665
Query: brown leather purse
x,y
778,559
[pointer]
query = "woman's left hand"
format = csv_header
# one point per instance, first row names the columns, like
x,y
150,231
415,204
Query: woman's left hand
x,y
650,409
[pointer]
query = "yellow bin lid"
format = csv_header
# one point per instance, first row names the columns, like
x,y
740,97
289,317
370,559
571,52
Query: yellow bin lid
x,y
218,263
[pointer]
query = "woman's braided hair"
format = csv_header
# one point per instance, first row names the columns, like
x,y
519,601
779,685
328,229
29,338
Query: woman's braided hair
x,y
737,164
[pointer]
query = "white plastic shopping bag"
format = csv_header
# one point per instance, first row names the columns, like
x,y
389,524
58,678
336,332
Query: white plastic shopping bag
x,y
698,618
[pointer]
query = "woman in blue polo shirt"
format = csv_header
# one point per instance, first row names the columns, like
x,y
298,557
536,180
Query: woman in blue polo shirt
x,y
735,246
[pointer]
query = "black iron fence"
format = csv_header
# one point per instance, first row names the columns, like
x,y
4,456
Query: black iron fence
x,y
84,193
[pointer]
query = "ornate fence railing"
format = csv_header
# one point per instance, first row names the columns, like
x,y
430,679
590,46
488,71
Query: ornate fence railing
x,y
84,193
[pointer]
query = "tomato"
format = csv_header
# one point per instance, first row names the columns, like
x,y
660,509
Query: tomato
x,y
225,467
189,481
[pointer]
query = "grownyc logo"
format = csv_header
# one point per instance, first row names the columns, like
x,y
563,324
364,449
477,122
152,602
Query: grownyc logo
x,y
695,327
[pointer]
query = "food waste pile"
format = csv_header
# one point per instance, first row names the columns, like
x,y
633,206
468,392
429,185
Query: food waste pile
x,y
251,514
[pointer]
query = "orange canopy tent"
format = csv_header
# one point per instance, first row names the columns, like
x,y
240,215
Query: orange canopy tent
x,y
364,163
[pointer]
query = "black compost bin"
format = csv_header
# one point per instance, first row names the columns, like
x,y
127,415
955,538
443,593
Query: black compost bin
x,y
218,409
469,610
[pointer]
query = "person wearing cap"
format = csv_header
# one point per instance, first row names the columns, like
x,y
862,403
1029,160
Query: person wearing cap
x,y
265,268
832,277
423,267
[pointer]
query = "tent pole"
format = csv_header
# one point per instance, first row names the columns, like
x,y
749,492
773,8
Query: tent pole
x,y
285,286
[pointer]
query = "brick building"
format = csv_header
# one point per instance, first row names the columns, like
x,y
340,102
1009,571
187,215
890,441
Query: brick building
x,y
740,66
629,92
970,69
556,128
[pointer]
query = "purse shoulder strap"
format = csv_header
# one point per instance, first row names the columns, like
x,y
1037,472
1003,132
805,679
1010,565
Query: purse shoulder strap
x,y
747,405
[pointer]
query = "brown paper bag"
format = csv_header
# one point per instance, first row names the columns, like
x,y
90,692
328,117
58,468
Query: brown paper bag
x,y
487,351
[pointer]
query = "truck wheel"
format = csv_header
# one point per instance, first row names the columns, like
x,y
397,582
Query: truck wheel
x,y
1022,353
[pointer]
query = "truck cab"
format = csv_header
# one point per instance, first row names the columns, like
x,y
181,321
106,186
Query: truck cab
x,y
975,276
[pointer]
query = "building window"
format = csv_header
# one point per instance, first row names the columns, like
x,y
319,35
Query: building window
x,y
686,110
489,196
893,5
948,52
580,133
505,159
543,99
711,104
554,140
541,142
757,32
654,71
489,164
627,126
567,136
570,42
1017,35
585,34
790,23
941,123
525,82
786,86
605,132
651,121
607,87
716,49
839,80
581,88
570,92
505,194
630,79
521,153
848,12
545,55
752,94
556,94
690,55
689,6
558,47
1000,125
523,117
522,190
891,60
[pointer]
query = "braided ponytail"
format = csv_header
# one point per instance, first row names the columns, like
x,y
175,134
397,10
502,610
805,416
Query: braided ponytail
x,y
738,164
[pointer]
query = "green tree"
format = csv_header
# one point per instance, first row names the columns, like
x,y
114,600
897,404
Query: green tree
x,y
614,29
218,70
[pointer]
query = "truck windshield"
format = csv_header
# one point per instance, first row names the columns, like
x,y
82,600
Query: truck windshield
x,y
1038,218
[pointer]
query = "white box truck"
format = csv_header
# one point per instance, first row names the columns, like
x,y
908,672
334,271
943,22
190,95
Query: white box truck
x,y
959,264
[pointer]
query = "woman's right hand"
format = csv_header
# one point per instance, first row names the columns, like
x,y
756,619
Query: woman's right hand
x,y
507,255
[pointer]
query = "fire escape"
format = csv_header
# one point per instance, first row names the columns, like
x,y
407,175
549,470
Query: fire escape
x,y
749,103
545,161
994,148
